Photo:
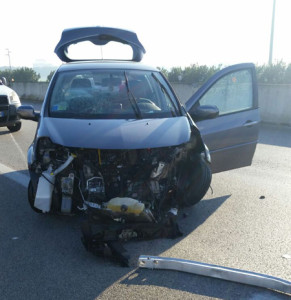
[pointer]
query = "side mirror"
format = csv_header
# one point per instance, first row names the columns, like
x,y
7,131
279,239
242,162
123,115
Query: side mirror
x,y
204,112
27,112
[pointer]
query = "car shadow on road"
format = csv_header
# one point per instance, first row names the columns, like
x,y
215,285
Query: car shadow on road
x,y
3,132
48,248
275,135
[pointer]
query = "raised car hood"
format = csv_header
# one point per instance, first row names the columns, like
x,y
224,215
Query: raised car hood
x,y
98,36
116,134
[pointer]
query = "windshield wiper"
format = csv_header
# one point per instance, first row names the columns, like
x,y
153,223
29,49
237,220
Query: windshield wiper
x,y
166,92
132,99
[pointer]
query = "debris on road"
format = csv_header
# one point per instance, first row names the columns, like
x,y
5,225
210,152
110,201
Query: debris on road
x,y
198,268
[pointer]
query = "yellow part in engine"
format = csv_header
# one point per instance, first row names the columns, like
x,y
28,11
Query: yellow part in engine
x,y
125,205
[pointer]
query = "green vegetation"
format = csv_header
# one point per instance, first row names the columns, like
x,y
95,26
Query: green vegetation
x,y
22,74
190,75
50,75
278,73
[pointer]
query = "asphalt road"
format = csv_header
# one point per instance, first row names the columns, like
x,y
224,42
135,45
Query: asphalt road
x,y
41,257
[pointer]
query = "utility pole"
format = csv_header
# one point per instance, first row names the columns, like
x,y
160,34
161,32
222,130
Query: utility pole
x,y
10,68
272,34
8,54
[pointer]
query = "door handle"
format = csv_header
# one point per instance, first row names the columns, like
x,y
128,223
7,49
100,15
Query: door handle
x,y
250,123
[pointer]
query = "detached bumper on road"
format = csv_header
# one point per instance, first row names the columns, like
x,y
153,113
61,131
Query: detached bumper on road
x,y
235,275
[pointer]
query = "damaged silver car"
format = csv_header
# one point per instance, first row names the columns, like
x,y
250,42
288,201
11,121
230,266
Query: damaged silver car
x,y
113,140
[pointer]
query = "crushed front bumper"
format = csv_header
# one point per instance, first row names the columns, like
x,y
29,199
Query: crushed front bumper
x,y
105,237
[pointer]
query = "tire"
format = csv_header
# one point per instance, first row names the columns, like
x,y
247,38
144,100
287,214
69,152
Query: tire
x,y
15,127
194,181
31,198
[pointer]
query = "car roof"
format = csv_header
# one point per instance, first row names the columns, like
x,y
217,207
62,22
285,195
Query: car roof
x,y
105,64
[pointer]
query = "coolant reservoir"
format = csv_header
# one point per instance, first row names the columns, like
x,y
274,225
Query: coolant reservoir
x,y
45,187
43,198
125,205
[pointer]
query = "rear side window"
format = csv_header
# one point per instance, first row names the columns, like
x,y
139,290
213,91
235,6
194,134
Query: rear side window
x,y
232,93
110,94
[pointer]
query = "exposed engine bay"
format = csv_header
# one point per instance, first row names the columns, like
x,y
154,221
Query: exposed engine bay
x,y
125,184
138,192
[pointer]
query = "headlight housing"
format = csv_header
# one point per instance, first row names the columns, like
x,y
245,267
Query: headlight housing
x,y
13,98
47,152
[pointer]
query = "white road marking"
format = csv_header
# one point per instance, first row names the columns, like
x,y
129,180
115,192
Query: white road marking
x,y
18,147
14,175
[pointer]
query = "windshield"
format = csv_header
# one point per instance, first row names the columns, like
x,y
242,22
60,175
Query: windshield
x,y
98,94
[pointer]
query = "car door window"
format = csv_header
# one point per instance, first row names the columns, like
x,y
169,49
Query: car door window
x,y
232,93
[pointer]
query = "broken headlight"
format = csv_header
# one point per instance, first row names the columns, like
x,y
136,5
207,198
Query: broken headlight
x,y
49,153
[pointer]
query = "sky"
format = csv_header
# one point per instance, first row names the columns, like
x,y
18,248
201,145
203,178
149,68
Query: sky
x,y
174,33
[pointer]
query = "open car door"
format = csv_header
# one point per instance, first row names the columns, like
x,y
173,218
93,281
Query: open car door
x,y
225,110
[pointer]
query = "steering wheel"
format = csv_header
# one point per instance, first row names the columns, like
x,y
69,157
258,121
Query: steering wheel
x,y
145,100
147,105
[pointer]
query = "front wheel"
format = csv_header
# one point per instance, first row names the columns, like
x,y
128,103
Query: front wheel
x,y
15,127
194,180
